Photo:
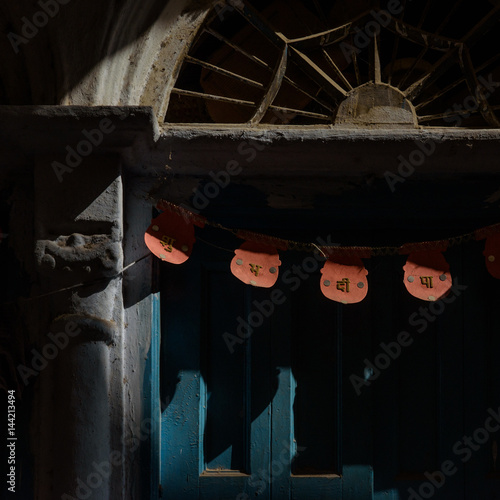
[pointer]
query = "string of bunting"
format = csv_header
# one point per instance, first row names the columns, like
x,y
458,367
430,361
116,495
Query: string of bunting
x,y
171,237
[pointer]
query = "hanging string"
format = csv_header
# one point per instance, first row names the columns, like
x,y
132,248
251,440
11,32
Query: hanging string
x,y
321,251
332,250
82,284
214,246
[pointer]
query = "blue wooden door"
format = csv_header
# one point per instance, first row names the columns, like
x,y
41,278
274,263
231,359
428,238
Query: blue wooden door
x,y
264,397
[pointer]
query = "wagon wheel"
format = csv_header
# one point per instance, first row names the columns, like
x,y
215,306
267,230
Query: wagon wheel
x,y
289,63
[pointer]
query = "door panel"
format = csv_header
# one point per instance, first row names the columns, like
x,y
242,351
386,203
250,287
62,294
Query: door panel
x,y
306,406
414,416
315,365
273,413
481,374
226,378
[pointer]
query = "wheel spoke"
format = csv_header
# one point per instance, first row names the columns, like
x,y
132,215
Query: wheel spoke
x,y
224,72
395,49
329,85
212,97
456,83
237,48
336,69
441,66
301,112
375,70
